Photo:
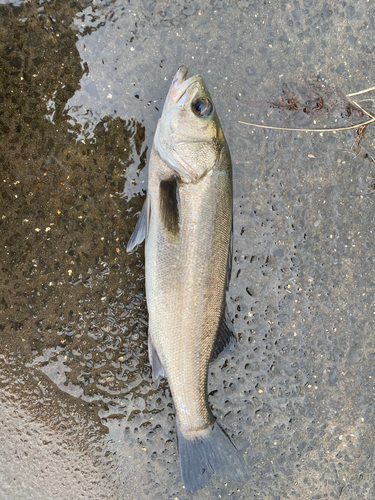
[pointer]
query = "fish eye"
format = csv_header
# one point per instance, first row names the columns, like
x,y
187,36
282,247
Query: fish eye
x,y
202,106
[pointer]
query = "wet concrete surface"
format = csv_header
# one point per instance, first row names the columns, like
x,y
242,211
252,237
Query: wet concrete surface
x,y
82,87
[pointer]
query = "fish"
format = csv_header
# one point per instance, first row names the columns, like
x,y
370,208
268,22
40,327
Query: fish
x,y
187,224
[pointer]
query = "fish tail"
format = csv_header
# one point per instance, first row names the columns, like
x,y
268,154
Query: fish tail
x,y
211,452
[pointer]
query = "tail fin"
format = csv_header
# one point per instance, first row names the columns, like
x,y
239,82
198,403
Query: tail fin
x,y
202,456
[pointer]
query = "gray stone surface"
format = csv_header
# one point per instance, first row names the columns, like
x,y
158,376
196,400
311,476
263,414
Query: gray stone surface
x,y
81,89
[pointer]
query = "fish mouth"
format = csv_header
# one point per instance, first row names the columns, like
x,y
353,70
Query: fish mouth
x,y
180,76
180,85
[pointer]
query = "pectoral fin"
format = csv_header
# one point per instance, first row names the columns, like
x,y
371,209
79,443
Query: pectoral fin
x,y
169,202
141,229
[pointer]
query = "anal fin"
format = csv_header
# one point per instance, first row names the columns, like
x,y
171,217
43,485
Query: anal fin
x,y
157,367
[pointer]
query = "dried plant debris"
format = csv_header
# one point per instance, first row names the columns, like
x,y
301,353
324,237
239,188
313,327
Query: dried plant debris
x,y
312,103
371,186
317,99
318,102
357,148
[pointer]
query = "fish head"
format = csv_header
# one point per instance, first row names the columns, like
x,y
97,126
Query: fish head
x,y
189,137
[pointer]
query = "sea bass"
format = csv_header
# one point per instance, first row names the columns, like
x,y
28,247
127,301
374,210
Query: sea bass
x,y
186,222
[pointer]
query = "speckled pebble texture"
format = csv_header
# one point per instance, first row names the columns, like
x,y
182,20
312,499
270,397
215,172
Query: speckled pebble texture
x,y
82,86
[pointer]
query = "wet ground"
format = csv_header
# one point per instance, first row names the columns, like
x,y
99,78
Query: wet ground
x,y
82,87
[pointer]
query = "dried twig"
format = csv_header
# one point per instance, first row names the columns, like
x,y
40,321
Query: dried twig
x,y
360,92
366,112
310,129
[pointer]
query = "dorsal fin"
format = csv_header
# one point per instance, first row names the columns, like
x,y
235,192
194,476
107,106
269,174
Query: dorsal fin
x,y
224,336
230,257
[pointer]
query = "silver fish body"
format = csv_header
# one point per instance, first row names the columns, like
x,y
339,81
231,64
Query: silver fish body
x,y
187,225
